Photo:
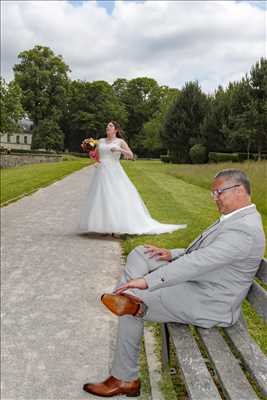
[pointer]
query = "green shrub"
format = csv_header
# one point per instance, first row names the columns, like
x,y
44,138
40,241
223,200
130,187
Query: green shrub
x,y
198,154
76,154
24,151
252,156
244,156
221,157
4,150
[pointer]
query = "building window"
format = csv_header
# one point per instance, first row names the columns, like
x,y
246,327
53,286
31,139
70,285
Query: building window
x,y
8,137
17,139
25,140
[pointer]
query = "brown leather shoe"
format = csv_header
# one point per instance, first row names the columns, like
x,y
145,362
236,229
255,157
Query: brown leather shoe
x,y
113,386
121,304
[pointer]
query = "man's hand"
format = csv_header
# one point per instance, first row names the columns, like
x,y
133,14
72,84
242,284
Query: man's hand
x,y
138,283
158,253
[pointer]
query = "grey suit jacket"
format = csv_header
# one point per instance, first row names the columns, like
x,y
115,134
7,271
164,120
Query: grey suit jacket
x,y
206,283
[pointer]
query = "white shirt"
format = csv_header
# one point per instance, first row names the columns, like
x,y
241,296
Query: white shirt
x,y
225,216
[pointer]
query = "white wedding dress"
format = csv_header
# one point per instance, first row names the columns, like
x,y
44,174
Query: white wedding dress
x,y
113,204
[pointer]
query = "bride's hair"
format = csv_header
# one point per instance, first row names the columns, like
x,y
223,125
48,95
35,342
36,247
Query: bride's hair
x,y
118,128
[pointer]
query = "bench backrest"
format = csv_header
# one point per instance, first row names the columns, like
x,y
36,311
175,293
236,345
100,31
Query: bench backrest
x,y
257,295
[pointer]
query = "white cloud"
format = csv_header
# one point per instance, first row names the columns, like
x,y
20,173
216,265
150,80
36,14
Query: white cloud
x,y
170,41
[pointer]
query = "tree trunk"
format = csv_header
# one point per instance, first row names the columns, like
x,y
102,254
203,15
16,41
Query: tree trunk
x,y
259,152
248,149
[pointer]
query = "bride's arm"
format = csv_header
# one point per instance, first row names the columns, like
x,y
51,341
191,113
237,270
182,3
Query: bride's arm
x,y
126,151
94,154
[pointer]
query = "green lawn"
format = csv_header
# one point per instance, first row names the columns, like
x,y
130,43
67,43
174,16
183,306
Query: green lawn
x,y
201,175
21,181
181,194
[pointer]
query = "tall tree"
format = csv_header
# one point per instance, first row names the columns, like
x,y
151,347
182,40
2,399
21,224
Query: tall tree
x,y
11,107
120,88
142,100
91,106
182,127
258,82
150,137
43,79
237,129
48,135
247,122
212,129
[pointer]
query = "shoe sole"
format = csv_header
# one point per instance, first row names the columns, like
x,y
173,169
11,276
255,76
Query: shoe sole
x,y
136,394
115,311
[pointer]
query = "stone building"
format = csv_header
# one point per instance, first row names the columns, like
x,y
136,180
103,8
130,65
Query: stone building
x,y
21,139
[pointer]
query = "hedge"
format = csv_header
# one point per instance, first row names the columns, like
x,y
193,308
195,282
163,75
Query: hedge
x,y
220,157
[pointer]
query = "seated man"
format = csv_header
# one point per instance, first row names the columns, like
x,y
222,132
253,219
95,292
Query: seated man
x,y
203,285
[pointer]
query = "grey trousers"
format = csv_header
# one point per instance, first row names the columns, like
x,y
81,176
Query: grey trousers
x,y
131,329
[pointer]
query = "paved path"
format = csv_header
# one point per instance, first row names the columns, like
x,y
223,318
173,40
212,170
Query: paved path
x,y
56,335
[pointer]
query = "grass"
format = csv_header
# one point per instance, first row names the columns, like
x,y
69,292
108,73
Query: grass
x,y
145,387
181,194
201,175
21,181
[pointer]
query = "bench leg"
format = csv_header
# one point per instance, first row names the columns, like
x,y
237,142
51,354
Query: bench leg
x,y
165,347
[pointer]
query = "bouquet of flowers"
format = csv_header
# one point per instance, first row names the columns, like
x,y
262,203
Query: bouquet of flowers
x,y
89,146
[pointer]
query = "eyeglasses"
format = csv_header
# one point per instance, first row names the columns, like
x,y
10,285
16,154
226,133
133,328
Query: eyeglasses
x,y
218,192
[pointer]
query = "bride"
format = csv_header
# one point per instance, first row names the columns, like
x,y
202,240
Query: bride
x,y
113,205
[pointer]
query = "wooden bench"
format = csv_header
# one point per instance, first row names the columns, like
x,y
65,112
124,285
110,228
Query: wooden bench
x,y
234,357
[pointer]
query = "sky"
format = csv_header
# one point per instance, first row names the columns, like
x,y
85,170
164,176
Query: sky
x,y
214,42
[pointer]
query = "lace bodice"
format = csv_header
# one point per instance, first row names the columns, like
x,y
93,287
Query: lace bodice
x,y
104,148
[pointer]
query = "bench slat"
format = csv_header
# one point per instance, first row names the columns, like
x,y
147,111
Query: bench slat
x,y
254,360
153,364
262,271
199,383
257,297
233,380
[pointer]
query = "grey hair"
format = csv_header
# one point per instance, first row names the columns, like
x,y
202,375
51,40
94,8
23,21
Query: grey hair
x,y
237,176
